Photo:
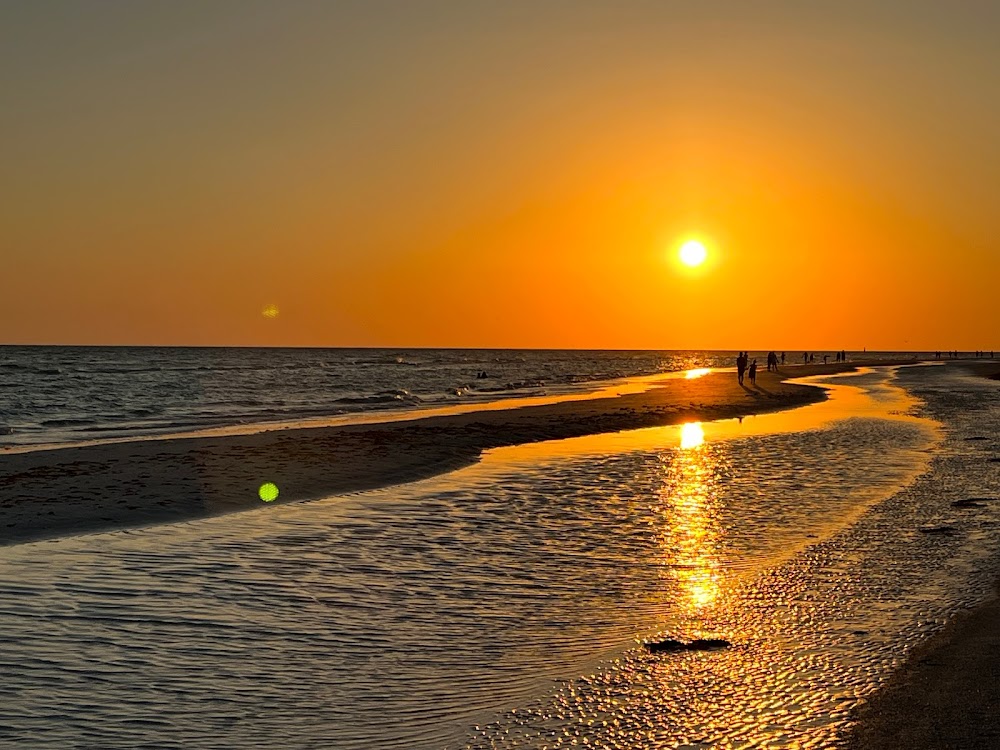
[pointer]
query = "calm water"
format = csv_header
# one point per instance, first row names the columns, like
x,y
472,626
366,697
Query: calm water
x,y
499,606
71,394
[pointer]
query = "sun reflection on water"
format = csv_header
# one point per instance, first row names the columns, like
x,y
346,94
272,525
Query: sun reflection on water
x,y
692,435
690,538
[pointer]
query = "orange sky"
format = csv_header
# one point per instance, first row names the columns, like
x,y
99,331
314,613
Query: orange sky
x,y
508,175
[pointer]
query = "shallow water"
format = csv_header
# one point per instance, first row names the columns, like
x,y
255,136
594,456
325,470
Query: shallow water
x,y
499,606
64,394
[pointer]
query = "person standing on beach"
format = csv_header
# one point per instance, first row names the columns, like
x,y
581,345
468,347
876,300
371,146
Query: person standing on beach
x,y
753,372
741,366
805,358
782,358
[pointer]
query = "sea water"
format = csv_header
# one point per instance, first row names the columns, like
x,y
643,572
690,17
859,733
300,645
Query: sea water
x,y
74,394
503,605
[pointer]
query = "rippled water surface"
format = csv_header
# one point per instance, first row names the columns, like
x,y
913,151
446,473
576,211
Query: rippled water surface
x,y
64,394
500,606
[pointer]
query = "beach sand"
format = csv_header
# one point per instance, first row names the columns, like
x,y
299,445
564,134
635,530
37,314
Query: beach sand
x,y
67,491
947,695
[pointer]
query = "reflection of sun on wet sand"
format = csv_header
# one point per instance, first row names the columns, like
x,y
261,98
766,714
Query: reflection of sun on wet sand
x,y
90,488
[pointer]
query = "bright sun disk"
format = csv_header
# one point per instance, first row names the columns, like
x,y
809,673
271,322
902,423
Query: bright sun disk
x,y
693,253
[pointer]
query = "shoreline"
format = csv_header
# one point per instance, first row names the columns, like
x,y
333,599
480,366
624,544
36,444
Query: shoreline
x,y
92,488
947,692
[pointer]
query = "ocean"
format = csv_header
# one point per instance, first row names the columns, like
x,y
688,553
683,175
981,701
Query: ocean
x,y
56,395
504,605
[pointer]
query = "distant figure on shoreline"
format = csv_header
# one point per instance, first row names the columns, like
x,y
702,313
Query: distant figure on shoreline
x,y
741,366
805,358
826,358
782,358
772,361
753,372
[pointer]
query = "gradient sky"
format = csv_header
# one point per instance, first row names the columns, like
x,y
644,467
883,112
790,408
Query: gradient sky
x,y
509,174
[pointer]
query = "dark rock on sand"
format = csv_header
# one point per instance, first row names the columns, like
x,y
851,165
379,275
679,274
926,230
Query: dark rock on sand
x,y
670,645
972,502
708,644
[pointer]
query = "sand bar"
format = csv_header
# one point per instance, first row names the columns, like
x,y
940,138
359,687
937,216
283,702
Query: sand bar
x,y
74,490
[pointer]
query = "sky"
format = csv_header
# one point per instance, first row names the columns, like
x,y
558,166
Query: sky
x,y
500,174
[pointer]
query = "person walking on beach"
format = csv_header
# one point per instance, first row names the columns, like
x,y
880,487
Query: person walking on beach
x,y
741,366
753,372
782,358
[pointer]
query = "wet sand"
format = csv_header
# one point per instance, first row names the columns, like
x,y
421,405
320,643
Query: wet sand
x,y
947,695
75,490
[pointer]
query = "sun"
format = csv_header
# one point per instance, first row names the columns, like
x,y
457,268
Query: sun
x,y
693,253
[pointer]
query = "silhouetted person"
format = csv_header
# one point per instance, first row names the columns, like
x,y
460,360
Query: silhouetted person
x,y
741,366
782,358
826,358
843,355
812,357
753,372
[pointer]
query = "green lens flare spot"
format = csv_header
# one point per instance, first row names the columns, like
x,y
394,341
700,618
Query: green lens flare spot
x,y
268,492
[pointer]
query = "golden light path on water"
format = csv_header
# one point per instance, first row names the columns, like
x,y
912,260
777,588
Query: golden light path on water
x,y
784,681
690,531
699,372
